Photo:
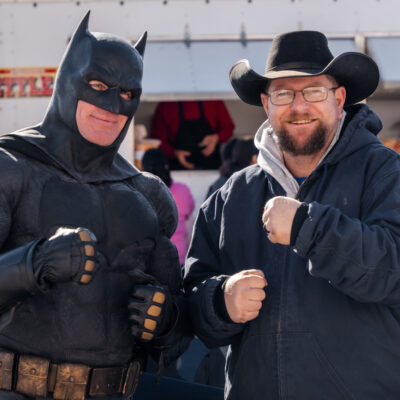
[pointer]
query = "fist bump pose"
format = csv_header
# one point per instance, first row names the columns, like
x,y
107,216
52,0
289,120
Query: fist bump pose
x,y
295,261
90,283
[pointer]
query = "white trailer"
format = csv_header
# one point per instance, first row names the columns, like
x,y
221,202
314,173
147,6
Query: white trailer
x,y
191,46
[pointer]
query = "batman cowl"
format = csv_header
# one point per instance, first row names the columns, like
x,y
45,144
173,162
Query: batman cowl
x,y
89,56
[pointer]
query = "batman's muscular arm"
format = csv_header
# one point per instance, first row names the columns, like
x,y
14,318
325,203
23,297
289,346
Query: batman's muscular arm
x,y
17,279
164,266
29,264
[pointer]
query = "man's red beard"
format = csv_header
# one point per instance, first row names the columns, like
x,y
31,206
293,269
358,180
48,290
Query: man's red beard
x,y
313,145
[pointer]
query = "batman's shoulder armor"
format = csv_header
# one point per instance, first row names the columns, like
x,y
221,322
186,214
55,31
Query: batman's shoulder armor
x,y
15,169
158,194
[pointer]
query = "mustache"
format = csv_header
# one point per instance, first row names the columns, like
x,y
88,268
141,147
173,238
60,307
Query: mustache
x,y
297,117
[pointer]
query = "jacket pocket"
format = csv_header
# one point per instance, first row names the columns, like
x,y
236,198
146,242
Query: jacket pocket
x,y
305,372
251,369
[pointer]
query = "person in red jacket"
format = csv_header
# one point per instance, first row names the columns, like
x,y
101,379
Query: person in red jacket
x,y
191,131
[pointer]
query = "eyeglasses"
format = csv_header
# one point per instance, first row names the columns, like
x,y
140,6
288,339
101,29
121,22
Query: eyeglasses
x,y
311,94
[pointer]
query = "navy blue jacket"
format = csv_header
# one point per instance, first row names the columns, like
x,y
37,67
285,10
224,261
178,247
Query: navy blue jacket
x,y
329,327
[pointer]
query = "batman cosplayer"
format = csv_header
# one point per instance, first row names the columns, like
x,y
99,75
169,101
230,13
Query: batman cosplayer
x,y
90,283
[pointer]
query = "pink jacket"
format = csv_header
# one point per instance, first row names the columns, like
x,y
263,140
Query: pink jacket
x,y
185,203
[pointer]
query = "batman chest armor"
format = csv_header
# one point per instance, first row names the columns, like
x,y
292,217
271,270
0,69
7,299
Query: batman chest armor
x,y
90,321
118,214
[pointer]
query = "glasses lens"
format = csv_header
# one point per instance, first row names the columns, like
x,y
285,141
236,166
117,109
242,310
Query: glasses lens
x,y
282,97
313,94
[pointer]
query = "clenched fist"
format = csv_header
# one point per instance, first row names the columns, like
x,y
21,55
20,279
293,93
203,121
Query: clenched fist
x,y
278,218
69,255
243,294
151,309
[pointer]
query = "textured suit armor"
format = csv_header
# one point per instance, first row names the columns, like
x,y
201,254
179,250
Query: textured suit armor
x,y
51,177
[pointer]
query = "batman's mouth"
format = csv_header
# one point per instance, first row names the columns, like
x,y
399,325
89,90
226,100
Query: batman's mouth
x,y
104,119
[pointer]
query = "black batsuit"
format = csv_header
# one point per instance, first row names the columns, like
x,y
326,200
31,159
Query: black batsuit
x,y
51,177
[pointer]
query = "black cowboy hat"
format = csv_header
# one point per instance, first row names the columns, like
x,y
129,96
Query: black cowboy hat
x,y
306,53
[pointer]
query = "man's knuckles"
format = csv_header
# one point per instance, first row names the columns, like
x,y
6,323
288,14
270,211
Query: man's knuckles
x,y
159,297
84,235
253,281
89,250
146,320
252,315
150,324
257,295
156,308
85,279
89,265
254,305
257,272
146,336
88,240
154,311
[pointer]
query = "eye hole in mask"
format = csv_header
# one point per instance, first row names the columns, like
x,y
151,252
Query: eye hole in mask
x,y
126,94
129,95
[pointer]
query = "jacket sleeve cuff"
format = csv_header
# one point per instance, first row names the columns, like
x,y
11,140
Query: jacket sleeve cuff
x,y
298,220
219,302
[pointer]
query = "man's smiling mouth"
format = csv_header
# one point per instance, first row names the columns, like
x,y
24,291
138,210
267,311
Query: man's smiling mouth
x,y
108,121
301,121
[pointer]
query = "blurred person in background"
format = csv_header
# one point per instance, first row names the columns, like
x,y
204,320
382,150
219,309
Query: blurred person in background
x,y
191,132
155,161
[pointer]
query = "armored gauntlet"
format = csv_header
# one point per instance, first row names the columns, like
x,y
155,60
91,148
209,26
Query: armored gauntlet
x,y
151,307
69,255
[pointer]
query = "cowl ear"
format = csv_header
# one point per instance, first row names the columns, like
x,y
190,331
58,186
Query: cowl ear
x,y
141,44
82,30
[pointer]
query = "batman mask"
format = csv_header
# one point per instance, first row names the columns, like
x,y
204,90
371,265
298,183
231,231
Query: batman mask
x,y
105,58
90,56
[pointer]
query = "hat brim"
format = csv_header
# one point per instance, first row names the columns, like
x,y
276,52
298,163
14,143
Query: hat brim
x,y
357,72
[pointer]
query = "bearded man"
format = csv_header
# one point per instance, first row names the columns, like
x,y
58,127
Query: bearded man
x,y
90,283
295,262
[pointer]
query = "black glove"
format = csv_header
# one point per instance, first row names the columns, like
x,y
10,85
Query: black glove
x,y
151,308
69,255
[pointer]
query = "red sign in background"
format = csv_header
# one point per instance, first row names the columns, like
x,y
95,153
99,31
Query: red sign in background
x,y
27,82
